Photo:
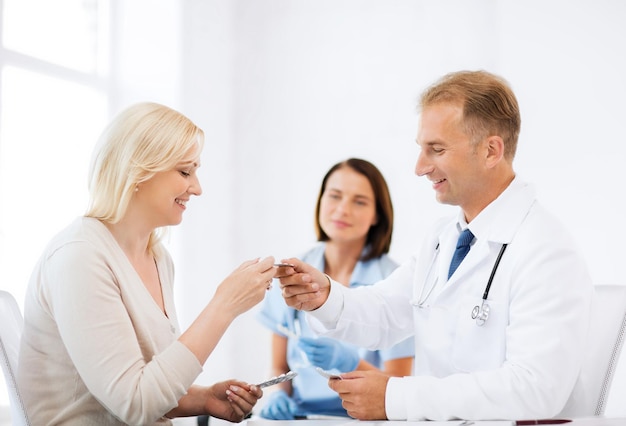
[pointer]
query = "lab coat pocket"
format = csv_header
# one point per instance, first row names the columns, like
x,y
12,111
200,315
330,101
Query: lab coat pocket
x,y
480,347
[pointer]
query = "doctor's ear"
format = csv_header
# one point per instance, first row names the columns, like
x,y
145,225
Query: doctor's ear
x,y
495,150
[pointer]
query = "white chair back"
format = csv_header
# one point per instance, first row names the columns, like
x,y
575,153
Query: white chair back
x,y
11,324
604,345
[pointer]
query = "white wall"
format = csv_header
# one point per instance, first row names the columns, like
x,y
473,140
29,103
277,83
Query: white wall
x,y
286,88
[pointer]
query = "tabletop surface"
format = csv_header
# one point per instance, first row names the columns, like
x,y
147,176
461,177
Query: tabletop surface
x,y
586,421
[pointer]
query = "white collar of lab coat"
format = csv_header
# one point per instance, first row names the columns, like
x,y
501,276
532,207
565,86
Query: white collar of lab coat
x,y
497,223
500,220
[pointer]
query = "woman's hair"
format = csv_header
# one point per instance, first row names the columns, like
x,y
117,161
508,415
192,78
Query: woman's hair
x,y
142,140
379,235
489,105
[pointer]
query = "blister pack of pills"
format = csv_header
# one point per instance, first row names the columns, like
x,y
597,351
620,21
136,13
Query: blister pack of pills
x,y
278,379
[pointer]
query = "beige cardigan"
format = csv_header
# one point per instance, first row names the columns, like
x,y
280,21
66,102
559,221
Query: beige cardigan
x,y
96,348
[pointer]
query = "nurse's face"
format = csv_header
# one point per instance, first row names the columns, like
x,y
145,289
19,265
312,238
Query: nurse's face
x,y
449,160
347,207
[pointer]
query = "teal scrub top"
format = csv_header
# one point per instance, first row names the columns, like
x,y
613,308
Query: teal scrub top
x,y
310,390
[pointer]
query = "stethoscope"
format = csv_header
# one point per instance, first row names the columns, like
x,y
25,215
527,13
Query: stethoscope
x,y
480,313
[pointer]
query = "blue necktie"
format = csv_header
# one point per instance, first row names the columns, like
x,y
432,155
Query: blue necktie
x,y
462,247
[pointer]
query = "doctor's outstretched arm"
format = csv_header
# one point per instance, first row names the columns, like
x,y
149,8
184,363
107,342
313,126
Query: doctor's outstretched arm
x,y
303,287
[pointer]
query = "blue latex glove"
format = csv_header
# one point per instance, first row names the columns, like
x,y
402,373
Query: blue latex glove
x,y
329,354
279,406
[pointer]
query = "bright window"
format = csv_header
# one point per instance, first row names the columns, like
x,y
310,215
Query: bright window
x,y
62,32
53,104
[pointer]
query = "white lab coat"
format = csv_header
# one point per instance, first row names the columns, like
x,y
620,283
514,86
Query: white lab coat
x,y
523,362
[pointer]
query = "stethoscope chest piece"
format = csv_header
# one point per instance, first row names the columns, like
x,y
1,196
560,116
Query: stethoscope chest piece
x,y
481,313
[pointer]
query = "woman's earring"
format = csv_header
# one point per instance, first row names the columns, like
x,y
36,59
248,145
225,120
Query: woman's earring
x,y
136,188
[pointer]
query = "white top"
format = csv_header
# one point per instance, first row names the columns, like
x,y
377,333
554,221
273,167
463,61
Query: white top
x,y
523,362
96,348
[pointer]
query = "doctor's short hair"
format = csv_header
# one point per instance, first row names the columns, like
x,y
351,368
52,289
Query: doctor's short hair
x,y
489,105
142,140
379,235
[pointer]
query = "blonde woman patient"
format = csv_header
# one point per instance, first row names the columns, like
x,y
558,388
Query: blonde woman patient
x,y
101,342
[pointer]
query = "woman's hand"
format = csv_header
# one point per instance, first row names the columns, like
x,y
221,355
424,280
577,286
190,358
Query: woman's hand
x,y
240,291
232,400
245,286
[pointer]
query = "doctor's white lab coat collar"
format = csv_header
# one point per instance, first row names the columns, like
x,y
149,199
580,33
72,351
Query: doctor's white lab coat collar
x,y
514,208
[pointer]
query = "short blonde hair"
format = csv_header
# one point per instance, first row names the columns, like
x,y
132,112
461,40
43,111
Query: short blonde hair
x,y
142,140
489,105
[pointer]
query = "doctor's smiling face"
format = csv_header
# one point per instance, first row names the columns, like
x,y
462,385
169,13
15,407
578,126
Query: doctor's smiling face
x,y
448,158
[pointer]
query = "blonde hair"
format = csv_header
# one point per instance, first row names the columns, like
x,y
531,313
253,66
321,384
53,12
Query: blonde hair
x,y
142,140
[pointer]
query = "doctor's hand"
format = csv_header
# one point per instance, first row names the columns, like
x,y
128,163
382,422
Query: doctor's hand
x,y
279,407
303,287
329,354
362,393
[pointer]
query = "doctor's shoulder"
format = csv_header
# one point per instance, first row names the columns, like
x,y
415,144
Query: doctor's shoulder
x,y
542,228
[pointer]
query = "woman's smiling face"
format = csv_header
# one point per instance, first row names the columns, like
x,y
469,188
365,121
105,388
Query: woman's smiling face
x,y
347,206
163,198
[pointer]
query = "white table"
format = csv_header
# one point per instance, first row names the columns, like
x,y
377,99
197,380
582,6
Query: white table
x,y
587,421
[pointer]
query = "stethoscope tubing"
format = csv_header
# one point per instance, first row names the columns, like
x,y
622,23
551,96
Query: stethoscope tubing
x,y
481,313
493,271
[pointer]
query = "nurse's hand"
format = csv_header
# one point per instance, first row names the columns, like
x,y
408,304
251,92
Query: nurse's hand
x,y
362,393
329,354
279,407
303,287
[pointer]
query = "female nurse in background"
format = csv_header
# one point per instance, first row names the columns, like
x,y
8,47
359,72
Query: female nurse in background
x,y
354,224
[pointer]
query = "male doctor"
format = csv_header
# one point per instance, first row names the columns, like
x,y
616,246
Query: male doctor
x,y
502,335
